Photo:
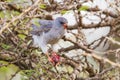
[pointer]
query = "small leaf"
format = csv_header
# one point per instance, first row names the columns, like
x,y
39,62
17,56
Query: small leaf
x,y
8,14
35,21
5,46
37,24
29,42
9,1
22,36
42,6
18,6
2,14
63,12
70,69
83,8
29,72
15,13
63,78
3,69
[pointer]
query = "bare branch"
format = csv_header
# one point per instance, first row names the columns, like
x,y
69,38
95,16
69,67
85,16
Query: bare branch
x,y
18,17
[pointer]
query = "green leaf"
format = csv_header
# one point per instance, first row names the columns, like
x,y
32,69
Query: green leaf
x,y
70,69
22,36
15,13
29,72
5,46
2,14
8,14
28,43
63,12
3,69
83,8
63,78
9,1
35,21
42,6
37,24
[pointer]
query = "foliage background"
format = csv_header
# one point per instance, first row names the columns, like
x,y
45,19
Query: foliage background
x,y
19,60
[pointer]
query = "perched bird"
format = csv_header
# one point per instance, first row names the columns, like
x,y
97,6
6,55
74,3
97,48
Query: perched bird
x,y
49,32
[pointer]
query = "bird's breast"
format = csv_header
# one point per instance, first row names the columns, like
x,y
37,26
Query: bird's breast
x,y
53,36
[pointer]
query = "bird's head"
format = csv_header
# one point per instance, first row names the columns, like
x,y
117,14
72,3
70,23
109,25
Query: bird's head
x,y
62,22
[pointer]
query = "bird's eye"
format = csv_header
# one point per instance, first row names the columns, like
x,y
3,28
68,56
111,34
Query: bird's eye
x,y
61,22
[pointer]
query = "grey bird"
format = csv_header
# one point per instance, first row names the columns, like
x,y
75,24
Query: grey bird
x,y
49,32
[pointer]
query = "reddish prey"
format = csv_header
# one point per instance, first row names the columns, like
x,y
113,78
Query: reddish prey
x,y
55,59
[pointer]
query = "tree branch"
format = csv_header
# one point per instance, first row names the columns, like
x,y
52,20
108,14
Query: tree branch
x,y
18,17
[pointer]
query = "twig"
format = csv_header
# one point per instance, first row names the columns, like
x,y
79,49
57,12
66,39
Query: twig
x,y
12,76
98,76
102,59
113,41
18,17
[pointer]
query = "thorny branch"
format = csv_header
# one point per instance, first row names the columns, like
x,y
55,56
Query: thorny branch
x,y
93,53
18,17
113,41
30,61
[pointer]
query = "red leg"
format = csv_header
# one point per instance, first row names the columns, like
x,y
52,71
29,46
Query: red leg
x,y
49,58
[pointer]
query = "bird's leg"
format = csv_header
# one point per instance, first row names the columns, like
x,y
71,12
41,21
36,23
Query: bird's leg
x,y
49,58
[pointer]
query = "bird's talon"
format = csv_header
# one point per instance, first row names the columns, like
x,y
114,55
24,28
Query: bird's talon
x,y
50,59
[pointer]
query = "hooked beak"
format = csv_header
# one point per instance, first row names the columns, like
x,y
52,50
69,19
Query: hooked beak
x,y
65,26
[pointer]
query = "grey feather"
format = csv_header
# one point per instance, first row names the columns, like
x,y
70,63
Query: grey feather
x,y
45,26
49,32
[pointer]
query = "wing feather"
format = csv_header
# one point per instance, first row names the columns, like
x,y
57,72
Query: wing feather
x,y
45,26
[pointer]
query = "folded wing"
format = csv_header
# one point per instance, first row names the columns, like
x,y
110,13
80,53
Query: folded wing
x,y
45,26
